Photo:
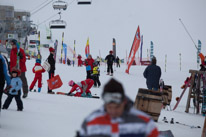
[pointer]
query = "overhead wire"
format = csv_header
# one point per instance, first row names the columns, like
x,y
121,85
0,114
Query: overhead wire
x,y
55,14
41,8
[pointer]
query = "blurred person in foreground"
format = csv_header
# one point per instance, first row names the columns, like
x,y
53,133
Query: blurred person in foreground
x,y
117,117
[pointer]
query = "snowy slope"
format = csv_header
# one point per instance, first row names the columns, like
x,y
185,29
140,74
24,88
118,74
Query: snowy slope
x,y
47,115
55,115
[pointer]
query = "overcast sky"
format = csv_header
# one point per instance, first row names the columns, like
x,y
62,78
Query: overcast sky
x,y
107,19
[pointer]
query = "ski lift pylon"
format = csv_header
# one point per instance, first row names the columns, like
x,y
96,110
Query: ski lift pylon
x,y
84,2
60,5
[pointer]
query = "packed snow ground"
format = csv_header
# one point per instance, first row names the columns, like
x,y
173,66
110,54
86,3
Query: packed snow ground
x,y
46,115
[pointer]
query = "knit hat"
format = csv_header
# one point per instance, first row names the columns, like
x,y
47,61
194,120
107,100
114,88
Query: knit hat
x,y
13,41
38,61
113,92
51,49
110,51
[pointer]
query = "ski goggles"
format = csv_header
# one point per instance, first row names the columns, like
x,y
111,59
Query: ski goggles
x,y
112,98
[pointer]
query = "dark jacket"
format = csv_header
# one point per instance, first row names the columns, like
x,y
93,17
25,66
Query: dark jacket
x,y
110,59
152,74
51,62
4,71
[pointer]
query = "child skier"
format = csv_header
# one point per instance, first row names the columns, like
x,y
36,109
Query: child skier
x,y
15,90
38,70
82,88
96,74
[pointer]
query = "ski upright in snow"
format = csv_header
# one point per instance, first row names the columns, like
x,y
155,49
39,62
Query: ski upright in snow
x,y
185,88
62,93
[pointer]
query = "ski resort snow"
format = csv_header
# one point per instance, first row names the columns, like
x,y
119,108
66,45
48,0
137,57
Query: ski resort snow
x,y
52,115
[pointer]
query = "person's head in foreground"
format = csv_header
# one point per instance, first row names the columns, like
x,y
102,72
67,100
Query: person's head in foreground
x,y
114,98
117,117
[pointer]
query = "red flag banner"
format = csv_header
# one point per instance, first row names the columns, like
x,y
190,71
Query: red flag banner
x,y
133,50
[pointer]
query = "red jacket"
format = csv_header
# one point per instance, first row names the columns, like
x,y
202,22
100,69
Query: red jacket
x,y
88,83
89,62
38,70
13,59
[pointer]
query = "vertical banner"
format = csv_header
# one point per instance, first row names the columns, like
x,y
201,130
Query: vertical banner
x,y
74,53
65,53
62,46
151,50
141,48
87,52
133,50
38,46
198,51
114,47
55,48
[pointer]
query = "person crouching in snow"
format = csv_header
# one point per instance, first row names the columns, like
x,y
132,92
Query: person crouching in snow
x,y
15,90
38,70
82,88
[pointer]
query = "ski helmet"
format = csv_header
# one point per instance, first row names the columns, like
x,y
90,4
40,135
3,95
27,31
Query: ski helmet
x,y
71,83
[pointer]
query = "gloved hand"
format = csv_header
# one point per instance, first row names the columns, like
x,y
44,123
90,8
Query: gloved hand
x,y
7,89
13,91
20,55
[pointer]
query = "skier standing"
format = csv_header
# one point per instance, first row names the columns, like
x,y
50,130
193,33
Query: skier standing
x,y
38,70
110,59
152,74
22,64
82,88
15,90
52,66
89,66
96,74
117,61
79,57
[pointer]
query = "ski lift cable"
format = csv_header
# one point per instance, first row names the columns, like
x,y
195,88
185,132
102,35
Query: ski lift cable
x,y
41,7
48,18
48,4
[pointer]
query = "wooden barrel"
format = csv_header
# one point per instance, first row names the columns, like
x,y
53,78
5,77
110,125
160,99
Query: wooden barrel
x,y
168,89
150,102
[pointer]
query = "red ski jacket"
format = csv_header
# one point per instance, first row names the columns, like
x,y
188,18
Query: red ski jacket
x,y
85,86
13,59
38,70
89,62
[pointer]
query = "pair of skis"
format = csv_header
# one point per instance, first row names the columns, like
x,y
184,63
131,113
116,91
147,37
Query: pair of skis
x,y
62,93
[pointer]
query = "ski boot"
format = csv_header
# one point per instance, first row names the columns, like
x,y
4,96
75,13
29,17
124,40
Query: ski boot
x,y
89,95
25,95
83,94
165,120
172,121
39,90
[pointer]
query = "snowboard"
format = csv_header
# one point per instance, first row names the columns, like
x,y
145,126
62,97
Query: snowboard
x,y
62,93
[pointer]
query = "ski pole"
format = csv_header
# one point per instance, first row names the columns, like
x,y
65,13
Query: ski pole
x,y
188,33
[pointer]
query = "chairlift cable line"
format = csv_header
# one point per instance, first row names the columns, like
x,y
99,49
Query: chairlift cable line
x,y
48,18
39,5
41,8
